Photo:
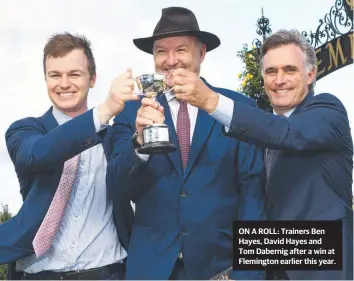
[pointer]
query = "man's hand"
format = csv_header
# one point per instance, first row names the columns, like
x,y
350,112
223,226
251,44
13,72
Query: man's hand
x,y
122,90
150,112
190,88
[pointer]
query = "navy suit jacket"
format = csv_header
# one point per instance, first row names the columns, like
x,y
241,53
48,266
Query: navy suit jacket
x,y
38,149
192,211
312,174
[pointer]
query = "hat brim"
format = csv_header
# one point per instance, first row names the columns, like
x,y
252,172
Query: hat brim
x,y
210,40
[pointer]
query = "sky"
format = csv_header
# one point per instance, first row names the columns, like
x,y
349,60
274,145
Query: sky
x,y
111,25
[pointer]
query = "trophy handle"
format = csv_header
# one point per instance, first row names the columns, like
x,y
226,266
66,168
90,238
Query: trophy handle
x,y
165,92
167,76
139,94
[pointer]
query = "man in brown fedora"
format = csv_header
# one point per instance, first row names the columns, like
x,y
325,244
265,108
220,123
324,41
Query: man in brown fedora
x,y
186,200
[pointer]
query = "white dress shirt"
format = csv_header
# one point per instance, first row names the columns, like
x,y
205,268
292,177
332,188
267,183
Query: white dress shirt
x,y
87,237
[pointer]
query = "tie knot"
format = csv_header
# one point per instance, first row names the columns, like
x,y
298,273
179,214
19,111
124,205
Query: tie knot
x,y
182,103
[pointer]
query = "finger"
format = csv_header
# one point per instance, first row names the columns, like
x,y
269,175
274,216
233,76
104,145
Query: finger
x,y
143,122
130,83
126,90
148,119
180,72
161,109
151,113
180,89
149,102
182,97
132,96
156,118
179,80
127,74
121,92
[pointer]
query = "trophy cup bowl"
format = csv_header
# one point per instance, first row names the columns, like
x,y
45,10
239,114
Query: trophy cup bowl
x,y
156,137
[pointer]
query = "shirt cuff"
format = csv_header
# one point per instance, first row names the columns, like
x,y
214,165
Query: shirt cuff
x,y
224,111
144,157
96,119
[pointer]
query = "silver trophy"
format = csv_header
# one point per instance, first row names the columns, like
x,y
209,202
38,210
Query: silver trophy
x,y
156,137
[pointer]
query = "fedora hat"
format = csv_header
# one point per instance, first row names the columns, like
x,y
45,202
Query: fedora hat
x,y
177,21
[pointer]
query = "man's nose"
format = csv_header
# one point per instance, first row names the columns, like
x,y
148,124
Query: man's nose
x,y
280,78
65,82
172,60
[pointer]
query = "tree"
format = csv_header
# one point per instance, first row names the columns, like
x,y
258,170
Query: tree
x,y
251,77
4,216
5,213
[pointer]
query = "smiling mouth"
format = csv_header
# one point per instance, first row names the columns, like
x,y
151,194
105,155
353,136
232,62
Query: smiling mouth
x,y
282,91
66,94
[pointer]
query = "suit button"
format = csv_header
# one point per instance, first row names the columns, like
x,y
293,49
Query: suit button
x,y
180,255
132,170
89,142
183,194
183,232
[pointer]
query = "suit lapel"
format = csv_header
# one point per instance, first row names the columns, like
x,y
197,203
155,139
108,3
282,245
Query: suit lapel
x,y
107,141
308,97
175,156
203,127
48,121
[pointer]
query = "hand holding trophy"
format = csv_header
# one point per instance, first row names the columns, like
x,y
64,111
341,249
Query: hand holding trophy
x,y
155,137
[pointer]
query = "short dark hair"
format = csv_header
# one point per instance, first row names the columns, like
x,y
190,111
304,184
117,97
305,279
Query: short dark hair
x,y
61,44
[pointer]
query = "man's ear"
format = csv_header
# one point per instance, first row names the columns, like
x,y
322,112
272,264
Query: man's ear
x,y
93,80
202,53
311,76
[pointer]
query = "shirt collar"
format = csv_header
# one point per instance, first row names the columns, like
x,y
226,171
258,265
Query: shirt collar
x,y
287,113
170,96
59,116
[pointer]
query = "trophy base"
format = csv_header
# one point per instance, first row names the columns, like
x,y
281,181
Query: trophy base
x,y
158,147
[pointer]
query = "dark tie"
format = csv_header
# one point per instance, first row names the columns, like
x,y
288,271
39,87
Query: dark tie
x,y
269,157
183,131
